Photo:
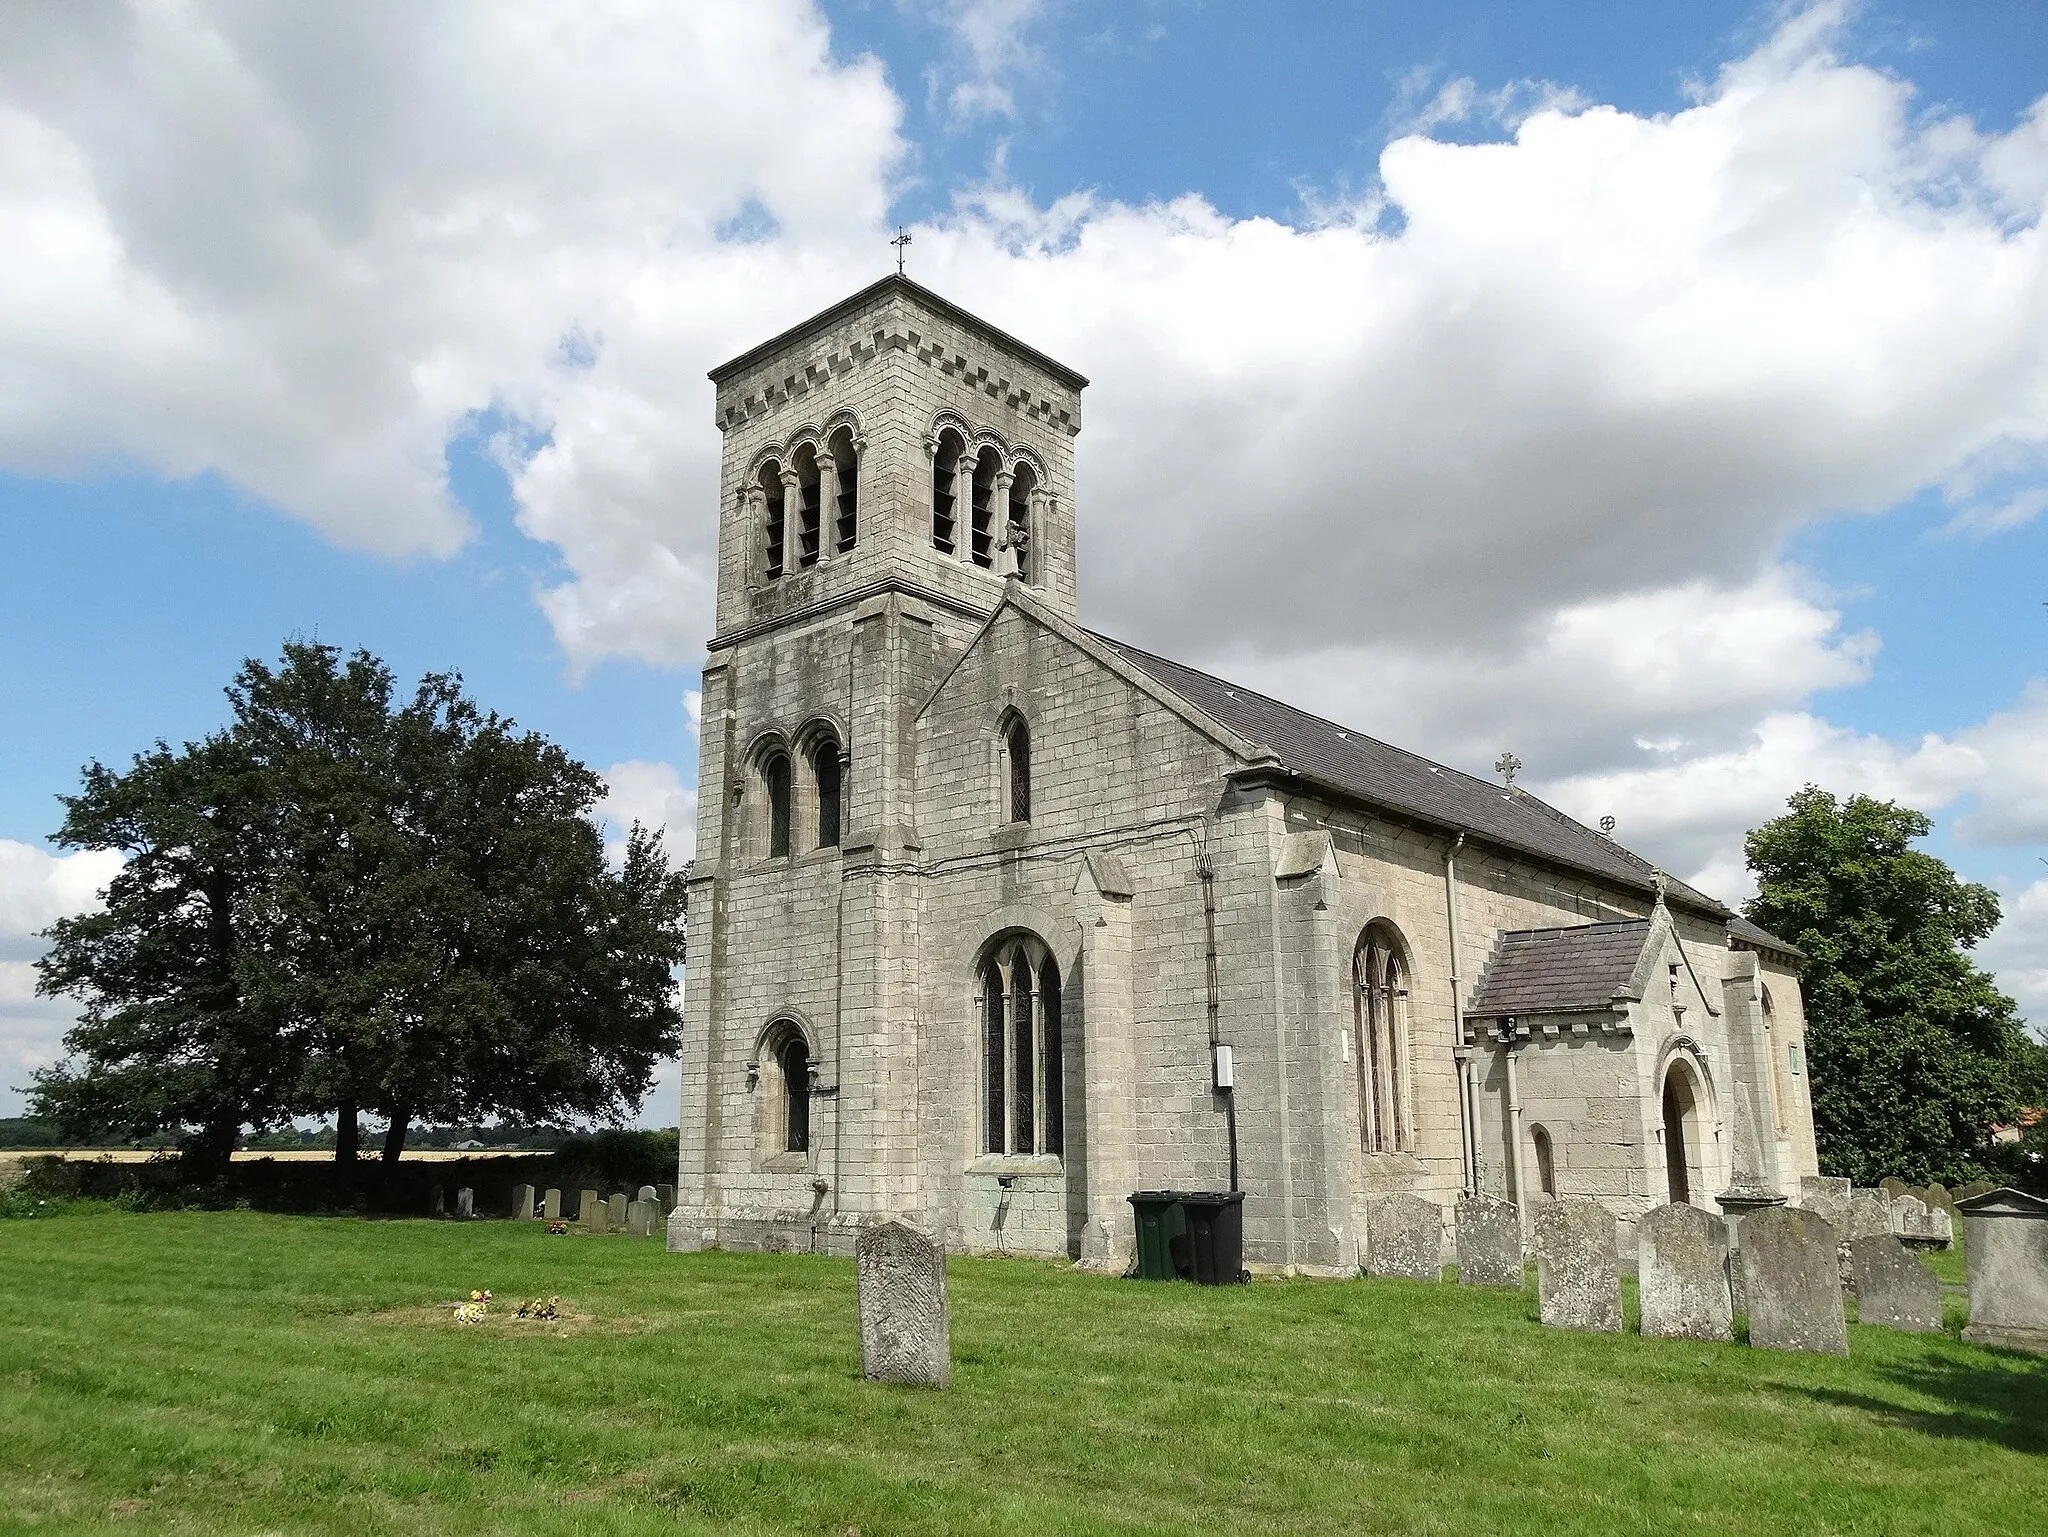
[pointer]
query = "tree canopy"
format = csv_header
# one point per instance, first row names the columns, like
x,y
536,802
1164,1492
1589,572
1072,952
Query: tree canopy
x,y
1915,1054
341,904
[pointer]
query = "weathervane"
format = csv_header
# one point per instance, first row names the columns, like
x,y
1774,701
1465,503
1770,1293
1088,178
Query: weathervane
x,y
902,239
1505,766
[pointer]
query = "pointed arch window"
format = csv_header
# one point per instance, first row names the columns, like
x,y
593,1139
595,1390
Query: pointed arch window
x,y
1017,769
1379,986
775,781
1023,1067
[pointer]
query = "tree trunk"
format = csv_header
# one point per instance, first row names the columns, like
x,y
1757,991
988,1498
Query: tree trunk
x,y
394,1136
209,1156
348,1137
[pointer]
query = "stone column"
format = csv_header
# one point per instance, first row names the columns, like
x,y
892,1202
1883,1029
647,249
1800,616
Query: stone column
x,y
963,505
792,518
999,522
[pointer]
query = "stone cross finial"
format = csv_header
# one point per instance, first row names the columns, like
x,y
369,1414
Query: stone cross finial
x,y
1505,766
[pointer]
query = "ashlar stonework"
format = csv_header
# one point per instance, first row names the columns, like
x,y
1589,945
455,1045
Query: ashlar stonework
x,y
1682,1275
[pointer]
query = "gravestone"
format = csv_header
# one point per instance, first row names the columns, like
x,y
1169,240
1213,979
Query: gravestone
x,y
1825,1197
1972,1190
900,1276
551,1206
1892,1287
1682,1274
465,1203
1868,1215
436,1203
615,1211
645,1193
1489,1243
1404,1236
1919,1225
586,1203
599,1220
639,1219
1892,1186
1938,1195
666,1194
2005,1239
1578,1285
1792,1282
522,1201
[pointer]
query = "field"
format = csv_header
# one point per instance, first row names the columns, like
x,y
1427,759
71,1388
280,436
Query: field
x,y
238,1372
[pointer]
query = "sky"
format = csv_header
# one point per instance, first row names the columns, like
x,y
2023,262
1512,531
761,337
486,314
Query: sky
x,y
1659,393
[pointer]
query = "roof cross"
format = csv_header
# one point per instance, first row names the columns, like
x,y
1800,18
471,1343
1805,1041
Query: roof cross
x,y
902,239
1505,766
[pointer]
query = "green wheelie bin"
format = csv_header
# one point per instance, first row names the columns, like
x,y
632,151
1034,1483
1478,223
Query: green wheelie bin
x,y
1162,1235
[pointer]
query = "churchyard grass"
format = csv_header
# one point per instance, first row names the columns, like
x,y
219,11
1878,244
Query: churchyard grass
x,y
238,1372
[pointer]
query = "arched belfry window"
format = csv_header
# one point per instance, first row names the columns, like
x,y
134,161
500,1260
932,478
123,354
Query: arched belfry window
x,y
1379,986
981,540
839,474
949,469
825,770
775,784
1017,769
774,525
810,511
1017,1002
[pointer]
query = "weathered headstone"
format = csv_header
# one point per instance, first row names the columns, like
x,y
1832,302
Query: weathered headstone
x,y
1404,1236
2006,1240
639,1219
1972,1190
437,1203
900,1276
551,1206
1826,1197
1489,1243
1916,1223
596,1219
1682,1274
1892,1287
1867,1215
1938,1195
1578,1285
1892,1186
522,1201
465,1203
615,1210
586,1203
1792,1282
644,1193
666,1194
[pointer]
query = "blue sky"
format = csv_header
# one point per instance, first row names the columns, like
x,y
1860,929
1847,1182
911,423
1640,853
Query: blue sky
x,y
389,327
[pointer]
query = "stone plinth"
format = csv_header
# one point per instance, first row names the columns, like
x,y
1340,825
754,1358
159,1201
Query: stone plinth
x,y
2006,1243
1578,1283
1792,1282
1404,1236
901,1280
1682,1274
1892,1287
1489,1243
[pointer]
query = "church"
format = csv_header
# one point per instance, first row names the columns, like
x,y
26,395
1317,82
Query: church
x,y
996,920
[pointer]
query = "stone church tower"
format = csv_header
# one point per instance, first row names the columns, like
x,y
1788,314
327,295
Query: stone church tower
x,y
995,920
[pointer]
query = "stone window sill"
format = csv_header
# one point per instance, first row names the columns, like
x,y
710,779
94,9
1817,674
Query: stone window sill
x,y
1018,1163
1011,835
786,1163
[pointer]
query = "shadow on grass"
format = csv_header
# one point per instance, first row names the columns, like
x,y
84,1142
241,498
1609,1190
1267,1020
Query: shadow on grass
x,y
2006,1404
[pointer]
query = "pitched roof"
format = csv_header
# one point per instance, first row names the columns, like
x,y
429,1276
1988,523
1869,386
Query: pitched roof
x,y
1577,970
1368,770
1749,933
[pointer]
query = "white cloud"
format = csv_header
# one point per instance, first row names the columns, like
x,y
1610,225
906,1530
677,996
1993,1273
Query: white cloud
x,y
991,53
2018,951
654,795
36,889
2012,796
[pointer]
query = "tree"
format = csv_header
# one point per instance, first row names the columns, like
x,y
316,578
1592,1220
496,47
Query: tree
x,y
1914,1052
426,928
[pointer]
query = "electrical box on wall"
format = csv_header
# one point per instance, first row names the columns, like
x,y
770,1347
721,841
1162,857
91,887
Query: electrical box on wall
x,y
1224,1070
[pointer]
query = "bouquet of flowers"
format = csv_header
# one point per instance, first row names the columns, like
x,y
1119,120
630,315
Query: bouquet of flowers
x,y
558,1229
539,1311
474,1310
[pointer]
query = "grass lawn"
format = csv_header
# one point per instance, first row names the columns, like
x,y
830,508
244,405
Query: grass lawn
x,y
238,1372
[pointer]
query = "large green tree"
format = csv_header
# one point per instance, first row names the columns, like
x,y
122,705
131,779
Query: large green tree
x,y
1914,1052
425,927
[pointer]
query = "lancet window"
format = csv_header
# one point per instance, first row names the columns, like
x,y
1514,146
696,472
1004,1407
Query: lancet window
x,y
774,524
775,782
1379,985
1017,768
825,771
1017,1002
947,465
839,468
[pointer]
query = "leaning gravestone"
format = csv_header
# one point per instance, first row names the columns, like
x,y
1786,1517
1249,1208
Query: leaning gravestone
x,y
1578,1285
522,1202
465,1203
639,1219
666,1194
2006,1244
1892,1287
1892,1186
1489,1243
1792,1282
551,1206
586,1203
1404,1236
1682,1274
900,1276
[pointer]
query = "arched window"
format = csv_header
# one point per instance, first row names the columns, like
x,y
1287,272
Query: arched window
x,y
981,542
1018,526
810,507
1546,1167
1017,769
775,780
773,525
1379,986
825,768
1018,1004
946,477
793,1056
839,470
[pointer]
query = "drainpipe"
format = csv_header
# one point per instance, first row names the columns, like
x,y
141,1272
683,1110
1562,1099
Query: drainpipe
x,y
1459,1044
1515,1133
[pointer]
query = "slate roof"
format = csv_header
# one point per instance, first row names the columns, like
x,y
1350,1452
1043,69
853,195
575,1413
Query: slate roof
x,y
1749,933
1359,766
1577,970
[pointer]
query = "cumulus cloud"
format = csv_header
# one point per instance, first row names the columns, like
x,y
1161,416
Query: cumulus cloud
x,y
991,52
36,889
2017,952
652,794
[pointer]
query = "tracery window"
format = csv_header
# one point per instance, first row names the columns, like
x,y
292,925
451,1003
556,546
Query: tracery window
x,y
1017,769
1017,1001
1379,986
775,780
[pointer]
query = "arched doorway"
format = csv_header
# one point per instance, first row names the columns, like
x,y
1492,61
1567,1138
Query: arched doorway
x,y
1683,1150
